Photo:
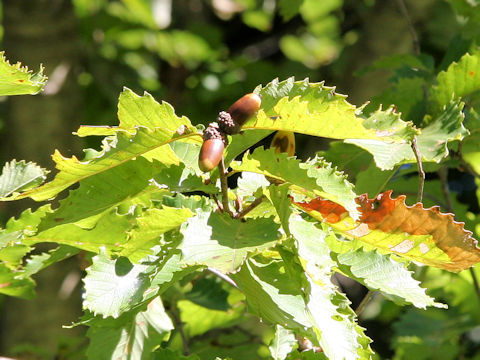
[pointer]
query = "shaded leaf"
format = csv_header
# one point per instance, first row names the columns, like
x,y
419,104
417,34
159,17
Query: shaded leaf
x,y
289,8
12,285
109,232
39,262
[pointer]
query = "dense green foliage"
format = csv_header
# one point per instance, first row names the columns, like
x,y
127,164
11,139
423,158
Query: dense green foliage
x,y
181,267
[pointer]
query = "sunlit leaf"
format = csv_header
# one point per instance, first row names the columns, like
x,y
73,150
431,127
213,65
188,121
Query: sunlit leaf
x,y
461,79
221,242
314,175
432,141
149,227
334,322
132,336
389,225
381,272
314,109
125,145
18,80
282,344
113,287
19,175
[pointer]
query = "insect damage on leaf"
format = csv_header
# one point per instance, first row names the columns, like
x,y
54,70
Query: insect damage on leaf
x,y
424,235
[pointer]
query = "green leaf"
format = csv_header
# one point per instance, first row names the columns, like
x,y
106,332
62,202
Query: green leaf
x,y
248,183
314,109
432,141
273,294
198,320
130,337
110,232
125,145
39,262
334,322
18,176
241,142
209,293
421,62
282,344
168,354
406,95
431,334
221,242
18,80
149,227
113,287
289,8
278,196
315,175
373,181
258,19
12,285
461,79
381,272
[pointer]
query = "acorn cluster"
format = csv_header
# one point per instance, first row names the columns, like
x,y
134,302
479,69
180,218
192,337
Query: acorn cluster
x,y
228,123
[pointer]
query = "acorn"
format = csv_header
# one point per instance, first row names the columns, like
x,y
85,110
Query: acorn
x,y
232,120
211,153
284,141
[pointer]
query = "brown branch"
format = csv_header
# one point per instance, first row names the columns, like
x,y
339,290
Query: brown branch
x,y
411,29
224,187
421,173
250,207
368,296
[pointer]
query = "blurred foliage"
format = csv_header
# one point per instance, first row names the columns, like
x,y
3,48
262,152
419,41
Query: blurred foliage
x,y
201,55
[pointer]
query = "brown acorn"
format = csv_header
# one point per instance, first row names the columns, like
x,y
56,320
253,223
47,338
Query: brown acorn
x,y
210,154
212,148
231,121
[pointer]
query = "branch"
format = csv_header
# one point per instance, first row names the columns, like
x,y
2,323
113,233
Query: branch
x,y
411,29
223,276
421,173
368,296
250,207
224,187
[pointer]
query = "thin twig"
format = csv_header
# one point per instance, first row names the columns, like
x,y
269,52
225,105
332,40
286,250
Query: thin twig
x,y
411,29
179,327
421,173
475,282
224,186
415,41
223,276
368,296
465,165
443,175
250,207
